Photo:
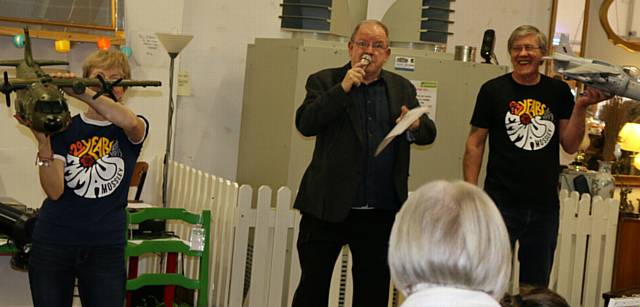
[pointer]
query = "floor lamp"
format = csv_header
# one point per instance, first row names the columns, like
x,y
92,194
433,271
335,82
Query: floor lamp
x,y
173,43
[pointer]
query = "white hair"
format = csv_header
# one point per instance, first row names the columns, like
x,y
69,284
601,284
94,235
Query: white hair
x,y
450,234
526,30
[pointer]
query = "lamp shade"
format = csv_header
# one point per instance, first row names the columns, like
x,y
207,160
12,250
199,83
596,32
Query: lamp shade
x,y
636,161
63,46
174,43
629,137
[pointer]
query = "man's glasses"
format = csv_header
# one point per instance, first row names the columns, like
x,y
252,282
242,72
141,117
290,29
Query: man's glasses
x,y
377,46
527,48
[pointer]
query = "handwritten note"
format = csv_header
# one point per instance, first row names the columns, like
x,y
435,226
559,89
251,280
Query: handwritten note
x,y
184,84
147,50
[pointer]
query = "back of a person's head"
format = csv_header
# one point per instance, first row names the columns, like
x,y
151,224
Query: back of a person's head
x,y
535,297
450,234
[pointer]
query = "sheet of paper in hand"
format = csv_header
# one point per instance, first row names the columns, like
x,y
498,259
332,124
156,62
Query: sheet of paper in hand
x,y
404,123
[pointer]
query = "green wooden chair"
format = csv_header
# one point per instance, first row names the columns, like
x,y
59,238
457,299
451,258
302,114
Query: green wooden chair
x,y
170,278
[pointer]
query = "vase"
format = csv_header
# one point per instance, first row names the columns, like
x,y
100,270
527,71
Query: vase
x,y
603,182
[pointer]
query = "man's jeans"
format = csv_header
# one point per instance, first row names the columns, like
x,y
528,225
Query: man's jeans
x,y
537,233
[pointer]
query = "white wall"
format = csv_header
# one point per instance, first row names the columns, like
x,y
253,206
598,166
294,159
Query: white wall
x,y
151,16
472,18
570,20
208,122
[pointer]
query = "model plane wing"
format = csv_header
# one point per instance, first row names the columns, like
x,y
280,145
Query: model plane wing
x,y
50,62
95,82
16,63
10,62
23,83
555,58
592,68
587,78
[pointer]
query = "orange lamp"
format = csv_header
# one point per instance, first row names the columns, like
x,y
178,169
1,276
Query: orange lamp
x,y
104,43
63,46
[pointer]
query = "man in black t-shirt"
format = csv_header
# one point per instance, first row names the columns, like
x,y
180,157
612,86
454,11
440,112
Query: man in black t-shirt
x,y
527,116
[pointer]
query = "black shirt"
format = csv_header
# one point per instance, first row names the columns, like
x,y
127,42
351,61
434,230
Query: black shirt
x,y
376,188
523,123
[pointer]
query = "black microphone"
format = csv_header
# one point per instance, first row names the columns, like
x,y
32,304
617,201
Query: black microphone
x,y
488,42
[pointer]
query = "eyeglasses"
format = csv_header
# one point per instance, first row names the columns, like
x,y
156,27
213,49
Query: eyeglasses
x,y
528,48
377,46
111,77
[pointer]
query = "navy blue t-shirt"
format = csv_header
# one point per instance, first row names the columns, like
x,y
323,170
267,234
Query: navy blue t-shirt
x,y
524,152
98,163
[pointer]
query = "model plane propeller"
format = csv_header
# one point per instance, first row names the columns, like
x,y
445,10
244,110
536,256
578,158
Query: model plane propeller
x,y
40,100
598,74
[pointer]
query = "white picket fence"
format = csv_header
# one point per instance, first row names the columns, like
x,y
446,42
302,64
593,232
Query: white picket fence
x,y
195,190
583,265
253,260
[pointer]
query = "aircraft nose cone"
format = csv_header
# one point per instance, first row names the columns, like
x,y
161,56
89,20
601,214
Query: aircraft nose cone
x,y
53,125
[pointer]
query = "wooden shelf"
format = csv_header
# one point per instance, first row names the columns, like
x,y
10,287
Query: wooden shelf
x,y
627,180
116,39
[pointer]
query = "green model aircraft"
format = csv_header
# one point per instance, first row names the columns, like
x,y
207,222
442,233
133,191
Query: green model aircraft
x,y
40,101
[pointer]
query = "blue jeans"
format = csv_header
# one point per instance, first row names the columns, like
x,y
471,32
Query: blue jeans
x,y
537,233
100,272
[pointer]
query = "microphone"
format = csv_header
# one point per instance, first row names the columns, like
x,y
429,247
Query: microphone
x,y
488,43
365,59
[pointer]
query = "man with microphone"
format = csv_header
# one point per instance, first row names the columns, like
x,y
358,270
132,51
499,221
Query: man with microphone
x,y
348,196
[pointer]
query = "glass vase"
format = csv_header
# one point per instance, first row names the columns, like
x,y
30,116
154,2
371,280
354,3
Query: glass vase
x,y
603,182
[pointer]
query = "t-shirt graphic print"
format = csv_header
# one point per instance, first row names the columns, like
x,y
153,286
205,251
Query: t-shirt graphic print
x,y
529,124
94,167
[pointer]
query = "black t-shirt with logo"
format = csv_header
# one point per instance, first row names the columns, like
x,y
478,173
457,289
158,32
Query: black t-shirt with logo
x,y
98,163
523,123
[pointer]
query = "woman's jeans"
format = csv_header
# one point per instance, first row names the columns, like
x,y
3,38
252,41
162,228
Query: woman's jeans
x,y
100,272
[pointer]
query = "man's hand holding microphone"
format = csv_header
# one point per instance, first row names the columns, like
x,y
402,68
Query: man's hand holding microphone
x,y
356,75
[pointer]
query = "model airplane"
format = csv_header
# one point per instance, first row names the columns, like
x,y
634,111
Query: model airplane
x,y
598,74
40,101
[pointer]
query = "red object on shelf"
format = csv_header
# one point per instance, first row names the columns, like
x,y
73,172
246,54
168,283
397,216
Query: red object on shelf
x,y
104,43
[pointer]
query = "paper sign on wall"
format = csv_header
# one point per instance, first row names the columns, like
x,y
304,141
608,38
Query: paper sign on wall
x,y
184,84
427,92
147,50
404,63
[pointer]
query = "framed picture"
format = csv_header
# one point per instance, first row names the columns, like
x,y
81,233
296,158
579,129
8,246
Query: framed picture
x,y
103,15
